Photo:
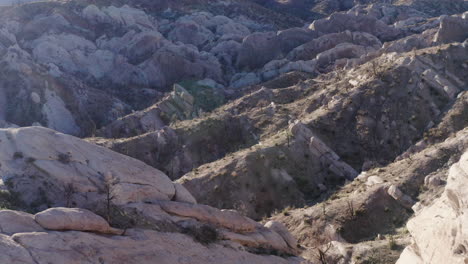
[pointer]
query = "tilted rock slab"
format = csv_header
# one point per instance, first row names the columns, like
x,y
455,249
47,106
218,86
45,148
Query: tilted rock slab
x,y
226,218
321,151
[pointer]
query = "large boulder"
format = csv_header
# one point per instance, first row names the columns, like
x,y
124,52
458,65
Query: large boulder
x,y
189,32
452,29
258,49
74,172
439,230
12,222
225,218
74,219
293,37
159,70
124,16
13,252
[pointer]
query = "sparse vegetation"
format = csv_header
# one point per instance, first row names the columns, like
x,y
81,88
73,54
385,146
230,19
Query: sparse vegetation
x,y
392,245
204,234
64,158
18,155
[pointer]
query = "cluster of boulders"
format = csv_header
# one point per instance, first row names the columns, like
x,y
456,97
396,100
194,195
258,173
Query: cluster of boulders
x,y
69,61
153,85
74,173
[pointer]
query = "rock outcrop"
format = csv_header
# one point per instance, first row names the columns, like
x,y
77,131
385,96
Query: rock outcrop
x,y
452,29
94,180
333,122
74,219
438,230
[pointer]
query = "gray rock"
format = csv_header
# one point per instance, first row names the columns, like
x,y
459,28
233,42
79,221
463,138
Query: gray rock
x,y
452,29
340,22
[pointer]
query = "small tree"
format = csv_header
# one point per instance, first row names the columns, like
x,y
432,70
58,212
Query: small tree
x,y
69,191
322,253
351,212
109,182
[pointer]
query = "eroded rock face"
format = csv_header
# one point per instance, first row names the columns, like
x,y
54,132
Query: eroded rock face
x,y
311,49
143,246
41,171
438,230
87,238
74,173
258,49
74,219
340,22
367,84
12,222
452,29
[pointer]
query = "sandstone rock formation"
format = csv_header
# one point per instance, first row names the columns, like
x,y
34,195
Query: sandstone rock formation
x,y
127,192
332,122
438,231
74,219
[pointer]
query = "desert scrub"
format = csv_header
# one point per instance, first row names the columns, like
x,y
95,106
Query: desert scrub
x,y
392,245
64,158
10,200
206,97
204,234
18,155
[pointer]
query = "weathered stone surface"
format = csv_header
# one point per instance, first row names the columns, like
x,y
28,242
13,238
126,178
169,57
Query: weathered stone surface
x,y
283,232
244,79
293,37
13,252
438,231
258,49
189,32
12,222
178,105
182,195
229,219
141,246
321,151
452,29
73,162
323,43
405,200
441,84
74,219
339,22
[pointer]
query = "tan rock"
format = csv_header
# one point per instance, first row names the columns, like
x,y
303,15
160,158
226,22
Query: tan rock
x,y
139,246
264,238
74,219
183,195
400,197
229,219
439,231
283,232
72,161
13,252
12,222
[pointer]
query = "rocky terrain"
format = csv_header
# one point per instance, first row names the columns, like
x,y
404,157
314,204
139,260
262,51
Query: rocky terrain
x,y
237,131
